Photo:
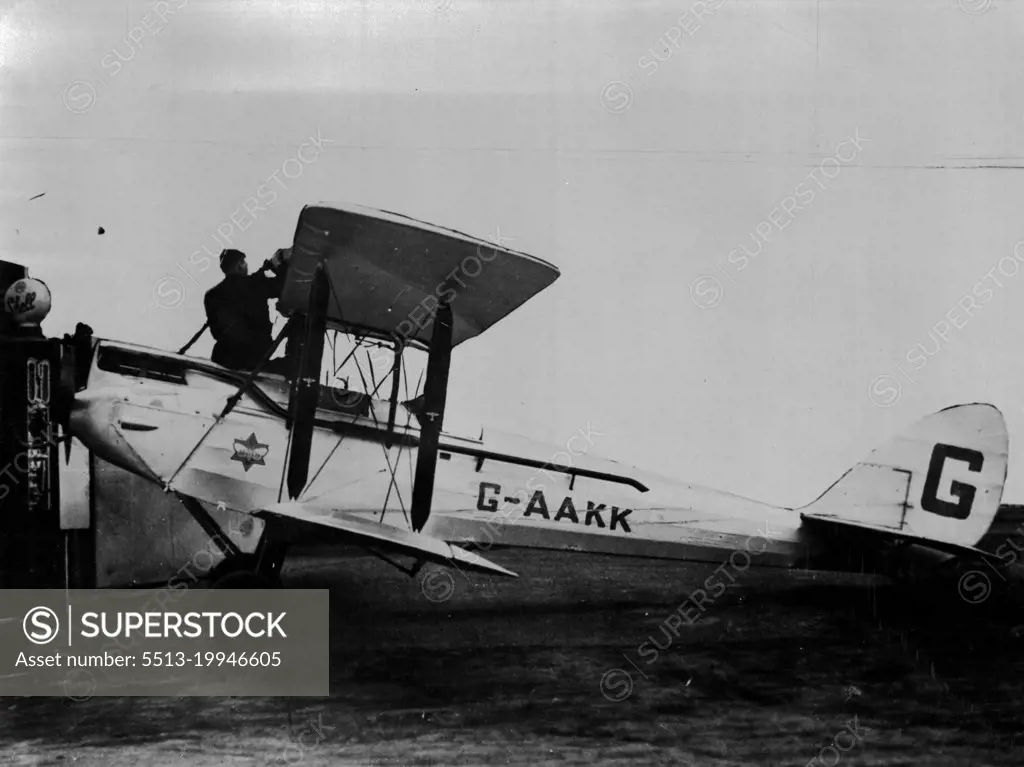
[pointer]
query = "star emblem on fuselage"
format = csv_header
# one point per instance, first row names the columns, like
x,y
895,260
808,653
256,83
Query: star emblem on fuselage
x,y
250,452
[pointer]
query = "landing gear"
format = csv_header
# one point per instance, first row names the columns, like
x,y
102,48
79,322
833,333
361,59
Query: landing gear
x,y
243,574
259,570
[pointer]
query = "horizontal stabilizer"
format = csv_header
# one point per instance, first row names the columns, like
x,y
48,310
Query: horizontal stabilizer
x,y
387,537
835,525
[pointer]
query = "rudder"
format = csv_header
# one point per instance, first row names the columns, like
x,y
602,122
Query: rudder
x,y
942,479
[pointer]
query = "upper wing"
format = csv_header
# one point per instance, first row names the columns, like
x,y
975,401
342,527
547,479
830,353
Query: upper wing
x,y
404,541
382,265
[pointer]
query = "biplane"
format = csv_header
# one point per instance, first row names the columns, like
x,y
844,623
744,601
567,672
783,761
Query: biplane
x,y
380,470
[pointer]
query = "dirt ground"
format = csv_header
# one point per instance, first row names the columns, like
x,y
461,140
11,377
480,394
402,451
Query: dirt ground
x,y
783,669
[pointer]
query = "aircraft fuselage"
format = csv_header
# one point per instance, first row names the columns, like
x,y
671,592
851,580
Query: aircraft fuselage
x,y
154,414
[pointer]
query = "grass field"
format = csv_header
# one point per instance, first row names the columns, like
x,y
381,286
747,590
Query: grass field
x,y
783,669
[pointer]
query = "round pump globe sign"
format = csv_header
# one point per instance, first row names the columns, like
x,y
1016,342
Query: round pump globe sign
x,y
28,301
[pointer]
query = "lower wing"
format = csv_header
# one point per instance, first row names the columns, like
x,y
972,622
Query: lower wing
x,y
423,547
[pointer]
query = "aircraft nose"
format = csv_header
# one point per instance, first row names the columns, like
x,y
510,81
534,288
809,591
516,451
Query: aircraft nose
x,y
91,416
94,421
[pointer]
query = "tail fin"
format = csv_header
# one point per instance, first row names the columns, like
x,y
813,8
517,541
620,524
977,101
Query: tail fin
x,y
941,480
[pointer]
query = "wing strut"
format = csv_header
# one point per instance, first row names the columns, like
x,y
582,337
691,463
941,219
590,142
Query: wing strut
x,y
305,395
395,381
435,391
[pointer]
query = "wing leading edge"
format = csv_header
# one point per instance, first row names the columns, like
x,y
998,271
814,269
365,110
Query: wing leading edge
x,y
385,536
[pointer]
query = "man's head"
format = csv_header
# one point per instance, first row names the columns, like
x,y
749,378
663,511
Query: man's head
x,y
233,262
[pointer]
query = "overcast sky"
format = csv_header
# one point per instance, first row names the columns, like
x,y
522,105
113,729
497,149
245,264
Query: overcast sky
x,y
862,152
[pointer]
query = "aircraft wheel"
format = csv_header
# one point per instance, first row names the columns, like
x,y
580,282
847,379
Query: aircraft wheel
x,y
242,573
245,579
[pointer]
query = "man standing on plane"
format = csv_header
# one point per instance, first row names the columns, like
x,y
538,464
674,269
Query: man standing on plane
x,y
237,311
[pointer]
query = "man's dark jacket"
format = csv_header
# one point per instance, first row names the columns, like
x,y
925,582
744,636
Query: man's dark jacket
x,y
240,318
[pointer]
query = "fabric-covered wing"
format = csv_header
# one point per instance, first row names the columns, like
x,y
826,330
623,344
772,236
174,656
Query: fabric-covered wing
x,y
387,537
388,272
